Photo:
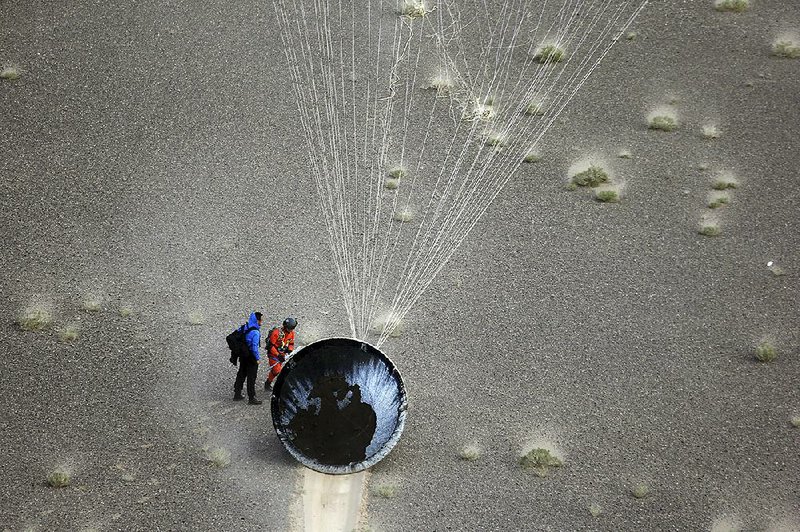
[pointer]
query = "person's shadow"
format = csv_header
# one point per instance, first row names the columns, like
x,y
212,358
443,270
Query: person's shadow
x,y
337,427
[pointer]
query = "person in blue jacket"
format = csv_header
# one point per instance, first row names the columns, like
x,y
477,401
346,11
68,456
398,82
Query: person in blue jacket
x,y
249,360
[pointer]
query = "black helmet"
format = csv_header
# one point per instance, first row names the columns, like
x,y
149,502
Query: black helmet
x,y
290,323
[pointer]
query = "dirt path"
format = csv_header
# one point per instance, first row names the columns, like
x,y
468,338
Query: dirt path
x,y
331,502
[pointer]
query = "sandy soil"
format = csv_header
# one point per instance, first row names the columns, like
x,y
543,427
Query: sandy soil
x,y
150,159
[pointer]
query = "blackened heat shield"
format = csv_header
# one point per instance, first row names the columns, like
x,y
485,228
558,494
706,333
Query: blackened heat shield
x,y
339,405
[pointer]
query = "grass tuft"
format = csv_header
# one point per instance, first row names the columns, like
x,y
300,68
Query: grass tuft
x,y
470,453
380,323
786,49
539,461
718,200
34,318
397,172
387,491
631,35
91,304
478,111
441,83
10,73
404,215
724,182
711,132
219,456
640,491
776,270
495,139
795,421
535,107
414,8
125,311
663,123
594,176
549,53
766,352
709,228
734,6
532,156
59,478
625,154
595,509
196,318
607,195
69,334
392,184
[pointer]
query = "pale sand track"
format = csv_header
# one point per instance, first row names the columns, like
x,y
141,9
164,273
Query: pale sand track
x,y
331,503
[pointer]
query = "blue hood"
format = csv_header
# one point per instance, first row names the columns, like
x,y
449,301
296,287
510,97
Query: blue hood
x,y
253,337
253,321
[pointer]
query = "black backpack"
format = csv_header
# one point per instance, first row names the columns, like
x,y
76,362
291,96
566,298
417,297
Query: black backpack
x,y
237,343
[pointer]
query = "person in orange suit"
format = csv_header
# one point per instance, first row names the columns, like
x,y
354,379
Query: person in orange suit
x,y
280,343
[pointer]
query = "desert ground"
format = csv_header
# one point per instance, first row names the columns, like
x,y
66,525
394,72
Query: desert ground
x,y
155,189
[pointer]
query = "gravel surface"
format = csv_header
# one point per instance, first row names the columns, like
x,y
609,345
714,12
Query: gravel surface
x,y
151,159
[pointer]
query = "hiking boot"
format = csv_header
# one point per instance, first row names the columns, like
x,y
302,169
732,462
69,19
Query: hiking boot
x,y
254,401
267,386
238,397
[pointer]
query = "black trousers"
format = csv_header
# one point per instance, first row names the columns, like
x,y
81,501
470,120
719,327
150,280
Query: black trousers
x,y
248,369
